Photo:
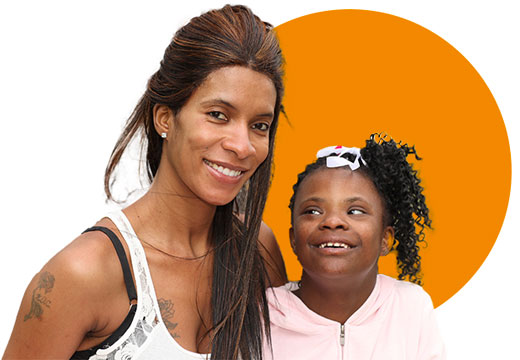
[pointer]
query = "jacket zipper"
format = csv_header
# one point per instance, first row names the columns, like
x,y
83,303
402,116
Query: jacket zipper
x,y
342,339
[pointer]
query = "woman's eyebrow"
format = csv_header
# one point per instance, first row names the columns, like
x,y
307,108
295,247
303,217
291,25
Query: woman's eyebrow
x,y
218,101
268,115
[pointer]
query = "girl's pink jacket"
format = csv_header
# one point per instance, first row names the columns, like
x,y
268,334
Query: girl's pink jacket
x,y
396,322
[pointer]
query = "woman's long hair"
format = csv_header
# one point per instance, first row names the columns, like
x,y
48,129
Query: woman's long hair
x,y
231,36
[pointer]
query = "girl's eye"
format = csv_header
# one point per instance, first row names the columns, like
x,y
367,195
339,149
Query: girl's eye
x,y
356,212
217,115
260,126
312,211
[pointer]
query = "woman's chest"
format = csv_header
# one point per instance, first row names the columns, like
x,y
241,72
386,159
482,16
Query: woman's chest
x,y
183,293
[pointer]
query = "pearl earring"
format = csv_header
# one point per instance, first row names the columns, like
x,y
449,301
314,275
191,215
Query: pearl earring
x,y
163,135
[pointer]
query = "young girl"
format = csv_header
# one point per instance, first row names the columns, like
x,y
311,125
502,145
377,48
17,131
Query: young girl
x,y
349,208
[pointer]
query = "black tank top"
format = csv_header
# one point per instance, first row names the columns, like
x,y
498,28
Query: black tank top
x,y
130,289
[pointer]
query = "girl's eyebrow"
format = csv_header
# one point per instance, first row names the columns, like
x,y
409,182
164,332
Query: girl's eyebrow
x,y
354,199
313,199
347,200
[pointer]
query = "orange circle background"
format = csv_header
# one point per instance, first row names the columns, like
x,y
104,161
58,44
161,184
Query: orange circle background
x,y
350,73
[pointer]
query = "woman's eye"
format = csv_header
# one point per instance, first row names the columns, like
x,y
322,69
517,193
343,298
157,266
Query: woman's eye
x,y
217,115
261,126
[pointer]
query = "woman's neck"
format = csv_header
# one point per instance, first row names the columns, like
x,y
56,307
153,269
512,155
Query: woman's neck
x,y
336,299
173,222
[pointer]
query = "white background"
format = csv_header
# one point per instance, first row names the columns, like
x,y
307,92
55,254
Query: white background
x,y
71,73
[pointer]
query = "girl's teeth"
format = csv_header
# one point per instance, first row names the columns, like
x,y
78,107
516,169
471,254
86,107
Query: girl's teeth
x,y
333,245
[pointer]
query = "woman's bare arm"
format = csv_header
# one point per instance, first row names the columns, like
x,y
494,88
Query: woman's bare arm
x,y
61,304
272,255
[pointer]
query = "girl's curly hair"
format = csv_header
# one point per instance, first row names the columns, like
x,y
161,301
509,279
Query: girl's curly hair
x,y
400,188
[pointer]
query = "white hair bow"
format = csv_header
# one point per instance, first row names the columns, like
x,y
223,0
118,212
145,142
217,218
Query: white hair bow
x,y
337,160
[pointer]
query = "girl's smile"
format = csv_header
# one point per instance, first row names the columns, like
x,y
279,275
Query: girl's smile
x,y
338,227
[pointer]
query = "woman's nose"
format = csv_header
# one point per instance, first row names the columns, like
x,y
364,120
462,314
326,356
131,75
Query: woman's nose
x,y
334,221
238,141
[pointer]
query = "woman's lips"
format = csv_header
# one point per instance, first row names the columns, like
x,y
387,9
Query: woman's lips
x,y
228,170
226,173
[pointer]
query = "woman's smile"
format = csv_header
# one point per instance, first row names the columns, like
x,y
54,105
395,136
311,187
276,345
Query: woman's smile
x,y
221,135
224,172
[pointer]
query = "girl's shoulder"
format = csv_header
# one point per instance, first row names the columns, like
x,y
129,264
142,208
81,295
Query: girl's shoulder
x,y
404,294
409,312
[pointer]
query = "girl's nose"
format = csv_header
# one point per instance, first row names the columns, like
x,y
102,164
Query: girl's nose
x,y
334,221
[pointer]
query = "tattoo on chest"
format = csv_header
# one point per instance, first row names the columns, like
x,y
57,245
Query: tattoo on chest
x,y
167,312
40,298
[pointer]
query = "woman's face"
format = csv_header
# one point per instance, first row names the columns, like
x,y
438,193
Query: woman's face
x,y
221,135
338,225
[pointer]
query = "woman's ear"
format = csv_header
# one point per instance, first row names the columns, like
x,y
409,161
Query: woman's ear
x,y
162,120
291,238
388,241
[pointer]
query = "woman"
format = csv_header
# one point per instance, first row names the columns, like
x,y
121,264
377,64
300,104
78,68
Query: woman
x,y
349,208
191,271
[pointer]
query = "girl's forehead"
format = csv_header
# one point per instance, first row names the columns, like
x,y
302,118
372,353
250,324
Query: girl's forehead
x,y
331,175
336,182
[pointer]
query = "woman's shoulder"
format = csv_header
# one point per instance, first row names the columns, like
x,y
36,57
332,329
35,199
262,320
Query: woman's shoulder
x,y
67,299
272,256
88,267
90,256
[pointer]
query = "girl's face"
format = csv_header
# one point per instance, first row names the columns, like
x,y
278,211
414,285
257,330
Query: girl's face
x,y
338,227
221,135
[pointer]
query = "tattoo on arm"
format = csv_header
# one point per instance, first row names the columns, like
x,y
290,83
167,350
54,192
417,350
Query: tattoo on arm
x,y
167,312
39,299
